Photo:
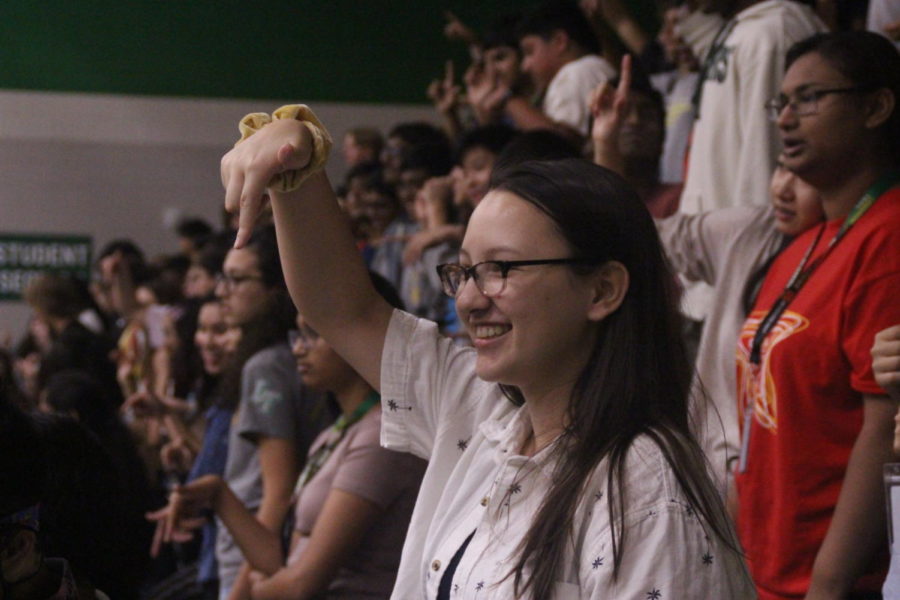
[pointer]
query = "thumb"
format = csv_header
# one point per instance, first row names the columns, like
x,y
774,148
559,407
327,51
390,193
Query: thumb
x,y
290,158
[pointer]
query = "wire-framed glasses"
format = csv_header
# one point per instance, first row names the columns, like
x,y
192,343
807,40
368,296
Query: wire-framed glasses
x,y
806,102
490,275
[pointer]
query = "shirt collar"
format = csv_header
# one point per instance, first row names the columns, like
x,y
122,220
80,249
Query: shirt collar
x,y
506,436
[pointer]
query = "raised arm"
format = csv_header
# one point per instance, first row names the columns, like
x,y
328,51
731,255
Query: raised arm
x,y
444,95
323,270
608,108
620,20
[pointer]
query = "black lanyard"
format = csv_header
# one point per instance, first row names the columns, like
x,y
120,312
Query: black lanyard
x,y
801,275
712,55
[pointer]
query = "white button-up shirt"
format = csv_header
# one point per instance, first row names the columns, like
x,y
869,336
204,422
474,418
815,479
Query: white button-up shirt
x,y
436,407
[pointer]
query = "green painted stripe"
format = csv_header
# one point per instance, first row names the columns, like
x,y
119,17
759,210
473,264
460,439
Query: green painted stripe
x,y
383,51
353,51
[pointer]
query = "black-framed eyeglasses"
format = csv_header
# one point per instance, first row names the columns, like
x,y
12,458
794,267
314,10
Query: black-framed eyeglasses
x,y
806,103
229,282
305,336
490,275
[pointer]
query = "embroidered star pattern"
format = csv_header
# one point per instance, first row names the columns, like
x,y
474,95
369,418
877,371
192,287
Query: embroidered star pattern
x,y
707,559
598,562
515,488
654,594
598,496
479,586
462,445
455,588
392,405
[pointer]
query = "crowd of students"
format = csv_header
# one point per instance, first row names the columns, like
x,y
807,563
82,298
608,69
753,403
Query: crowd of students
x,y
625,325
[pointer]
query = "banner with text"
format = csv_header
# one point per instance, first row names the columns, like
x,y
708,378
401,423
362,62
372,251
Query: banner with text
x,y
24,256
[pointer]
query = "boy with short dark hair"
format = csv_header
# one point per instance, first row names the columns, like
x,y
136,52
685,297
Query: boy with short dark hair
x,y
561,54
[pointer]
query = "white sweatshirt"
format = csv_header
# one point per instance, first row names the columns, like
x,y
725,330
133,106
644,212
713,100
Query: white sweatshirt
x,y
734,144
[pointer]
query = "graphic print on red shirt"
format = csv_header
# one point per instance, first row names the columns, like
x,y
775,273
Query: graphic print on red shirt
x,y
807,395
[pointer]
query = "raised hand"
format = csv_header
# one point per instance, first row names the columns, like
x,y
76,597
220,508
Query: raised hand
x,y
282,145
460,184
607,10
457,30
435,195
608,106
611,10
444,93
485,91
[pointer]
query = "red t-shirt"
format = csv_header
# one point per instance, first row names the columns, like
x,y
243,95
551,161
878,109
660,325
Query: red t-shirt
x,y
807,395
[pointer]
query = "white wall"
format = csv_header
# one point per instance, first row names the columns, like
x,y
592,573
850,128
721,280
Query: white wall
x,y
129,167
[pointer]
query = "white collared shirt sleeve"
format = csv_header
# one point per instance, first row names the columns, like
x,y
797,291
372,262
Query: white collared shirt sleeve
x,y
424,378
696,244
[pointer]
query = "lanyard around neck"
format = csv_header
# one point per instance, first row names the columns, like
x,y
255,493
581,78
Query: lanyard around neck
x,y
340,427
798,279
803,272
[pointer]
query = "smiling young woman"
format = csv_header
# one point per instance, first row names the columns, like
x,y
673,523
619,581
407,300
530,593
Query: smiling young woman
x,y
560,461
352,501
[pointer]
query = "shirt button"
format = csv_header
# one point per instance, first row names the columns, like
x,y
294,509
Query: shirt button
x,y
485,500
436,565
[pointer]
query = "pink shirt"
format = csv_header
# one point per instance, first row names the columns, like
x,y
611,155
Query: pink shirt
x,y
388,479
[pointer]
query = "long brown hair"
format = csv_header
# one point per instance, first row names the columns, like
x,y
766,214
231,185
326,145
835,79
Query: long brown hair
x,y
637,380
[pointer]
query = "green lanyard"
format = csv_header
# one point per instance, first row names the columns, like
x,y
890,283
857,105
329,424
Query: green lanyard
x,y
801,275
343,423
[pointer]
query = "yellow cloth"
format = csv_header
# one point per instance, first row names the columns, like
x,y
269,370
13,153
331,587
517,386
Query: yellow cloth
x,y
291,180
